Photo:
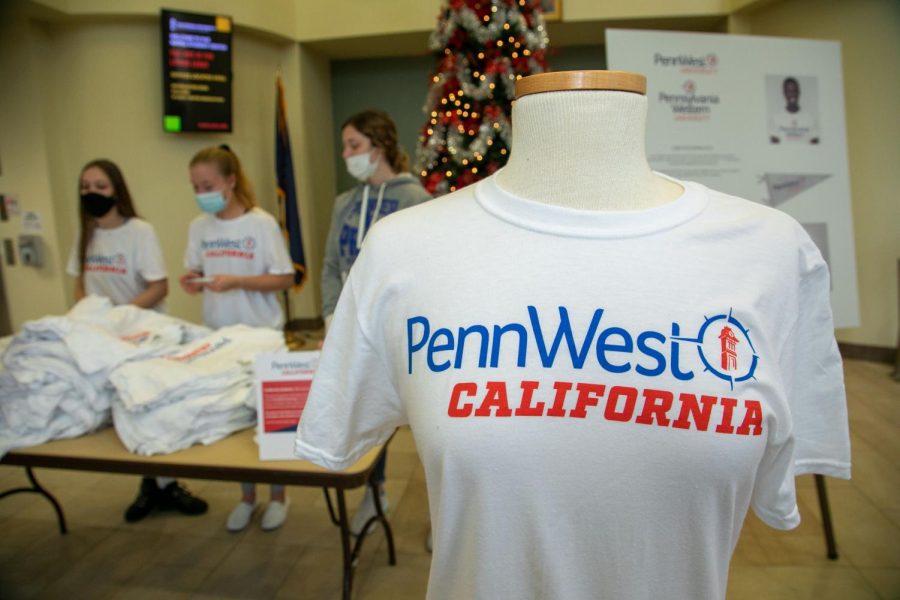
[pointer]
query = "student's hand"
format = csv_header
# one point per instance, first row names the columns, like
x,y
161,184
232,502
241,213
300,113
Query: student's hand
x,y
188,285
223,283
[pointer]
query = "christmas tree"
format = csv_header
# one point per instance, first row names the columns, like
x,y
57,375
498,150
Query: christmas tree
x,y
483,47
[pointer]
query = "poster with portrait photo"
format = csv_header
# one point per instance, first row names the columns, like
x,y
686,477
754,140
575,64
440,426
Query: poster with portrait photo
x,y
758,117
792,107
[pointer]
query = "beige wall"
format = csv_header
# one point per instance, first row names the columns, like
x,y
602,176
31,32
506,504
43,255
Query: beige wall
x,y
869,32
592,10
277,17
316,182
316,20
24,145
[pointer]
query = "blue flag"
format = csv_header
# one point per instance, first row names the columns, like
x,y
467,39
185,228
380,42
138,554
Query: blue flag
x,y
287,194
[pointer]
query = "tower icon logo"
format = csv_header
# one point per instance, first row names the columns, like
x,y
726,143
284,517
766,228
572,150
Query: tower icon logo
x,y
725,348
729,352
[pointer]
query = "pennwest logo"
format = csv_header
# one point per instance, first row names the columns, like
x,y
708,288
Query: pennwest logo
x,y
725,349
688,63
230,247
106,263
722,345
721,351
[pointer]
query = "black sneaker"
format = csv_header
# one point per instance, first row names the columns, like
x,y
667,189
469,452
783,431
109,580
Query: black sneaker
x,y
175,497
146,501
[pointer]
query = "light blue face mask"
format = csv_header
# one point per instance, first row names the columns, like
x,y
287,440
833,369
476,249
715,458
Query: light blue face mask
x,y
211,202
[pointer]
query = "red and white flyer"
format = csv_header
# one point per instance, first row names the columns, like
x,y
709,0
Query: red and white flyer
x,y
283,380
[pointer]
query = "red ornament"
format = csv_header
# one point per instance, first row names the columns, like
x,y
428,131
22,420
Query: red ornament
x,y
465,178
456,40
432,182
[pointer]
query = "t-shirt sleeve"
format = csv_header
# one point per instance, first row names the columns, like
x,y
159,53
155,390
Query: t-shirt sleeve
x,y
72,266
353,404
193,257
774,498
814,377
277,259
151,266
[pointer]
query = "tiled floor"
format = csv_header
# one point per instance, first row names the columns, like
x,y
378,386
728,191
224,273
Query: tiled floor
x,y
171,556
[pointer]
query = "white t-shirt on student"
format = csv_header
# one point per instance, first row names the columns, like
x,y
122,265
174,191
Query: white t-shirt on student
x,y
120,261
596,397
251,244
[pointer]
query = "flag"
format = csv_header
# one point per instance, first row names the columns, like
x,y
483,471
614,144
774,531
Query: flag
x,y
287,194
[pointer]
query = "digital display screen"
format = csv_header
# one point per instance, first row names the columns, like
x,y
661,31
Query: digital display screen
x,y
196,71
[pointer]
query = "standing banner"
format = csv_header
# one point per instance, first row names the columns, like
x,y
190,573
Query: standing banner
x,y
757,117
283,380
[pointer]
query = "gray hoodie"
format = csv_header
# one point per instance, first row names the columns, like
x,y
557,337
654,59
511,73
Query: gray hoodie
x,y
347,232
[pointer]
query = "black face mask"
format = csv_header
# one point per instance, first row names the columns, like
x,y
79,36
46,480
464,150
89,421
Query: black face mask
x,y
97,205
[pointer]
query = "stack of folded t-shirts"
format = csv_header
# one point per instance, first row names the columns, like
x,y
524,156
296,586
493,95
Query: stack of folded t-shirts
x,y
55,383
198,394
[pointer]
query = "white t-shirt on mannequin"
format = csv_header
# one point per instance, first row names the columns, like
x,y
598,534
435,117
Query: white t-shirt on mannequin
x,y
251,244
120,261
596,396
603,368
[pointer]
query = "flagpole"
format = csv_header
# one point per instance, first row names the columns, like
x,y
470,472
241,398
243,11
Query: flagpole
x,y
282,219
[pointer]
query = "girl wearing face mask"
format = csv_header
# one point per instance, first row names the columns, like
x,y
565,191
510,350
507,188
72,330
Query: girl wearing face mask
x,y
117,255
236,257
374,157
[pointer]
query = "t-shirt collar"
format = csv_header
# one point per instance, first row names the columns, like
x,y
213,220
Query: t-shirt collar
x,y
570,222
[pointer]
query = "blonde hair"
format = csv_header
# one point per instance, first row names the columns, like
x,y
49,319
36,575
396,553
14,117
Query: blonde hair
x,y
227,164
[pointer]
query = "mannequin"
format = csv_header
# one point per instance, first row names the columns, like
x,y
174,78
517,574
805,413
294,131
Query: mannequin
x,y
578,142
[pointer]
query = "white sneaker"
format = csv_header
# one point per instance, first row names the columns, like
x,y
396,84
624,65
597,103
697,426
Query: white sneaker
x,y
366,510
240,516
275,515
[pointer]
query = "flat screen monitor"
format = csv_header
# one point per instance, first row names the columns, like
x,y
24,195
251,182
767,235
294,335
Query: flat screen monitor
x,y
196,71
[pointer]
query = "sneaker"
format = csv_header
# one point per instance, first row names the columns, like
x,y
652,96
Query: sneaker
x,y
366,510
147,498
176,497
275,515
240,516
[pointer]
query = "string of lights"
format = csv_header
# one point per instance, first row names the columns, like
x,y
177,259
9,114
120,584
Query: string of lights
x,y
482,48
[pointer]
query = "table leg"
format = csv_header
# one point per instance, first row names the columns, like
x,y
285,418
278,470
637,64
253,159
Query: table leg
x,y
351,555
37,488
830,544
349,558
392,556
